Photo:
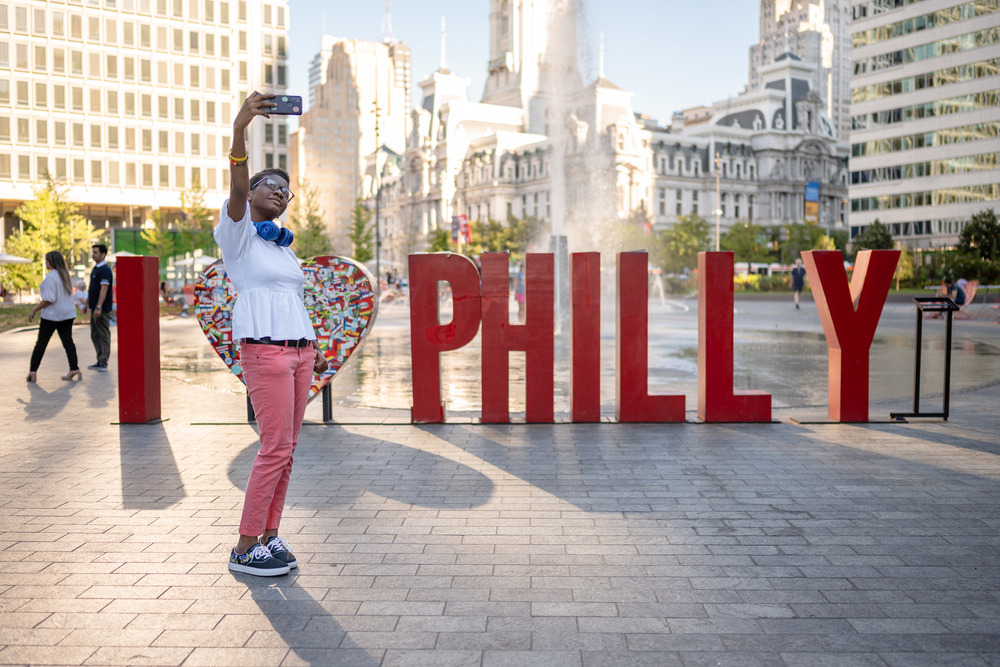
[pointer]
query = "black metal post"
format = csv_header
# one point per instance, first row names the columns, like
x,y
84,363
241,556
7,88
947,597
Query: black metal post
x,y
327,405
251,417
947,366
916,361
930,305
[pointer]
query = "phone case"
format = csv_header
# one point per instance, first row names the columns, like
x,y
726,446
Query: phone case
x,y
287,105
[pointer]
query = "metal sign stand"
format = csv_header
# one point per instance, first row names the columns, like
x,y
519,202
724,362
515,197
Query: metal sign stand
x,y
930,304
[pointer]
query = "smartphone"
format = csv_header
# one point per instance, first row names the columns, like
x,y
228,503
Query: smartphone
x,y
286,105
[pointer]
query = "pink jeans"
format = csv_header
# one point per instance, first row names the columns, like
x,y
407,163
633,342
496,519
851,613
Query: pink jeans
x,y
278,380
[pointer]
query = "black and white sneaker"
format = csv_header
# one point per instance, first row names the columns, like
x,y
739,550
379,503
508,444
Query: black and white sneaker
x,y
281,550
257,561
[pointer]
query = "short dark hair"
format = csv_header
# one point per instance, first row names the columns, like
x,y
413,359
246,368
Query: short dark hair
x,y
100,246
264,173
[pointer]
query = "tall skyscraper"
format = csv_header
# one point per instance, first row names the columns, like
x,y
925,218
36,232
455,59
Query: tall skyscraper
x,y
925,108
818,32
131,101
339,130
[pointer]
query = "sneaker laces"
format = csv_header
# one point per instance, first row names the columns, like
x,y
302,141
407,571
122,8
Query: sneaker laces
x,y
259,551
283,545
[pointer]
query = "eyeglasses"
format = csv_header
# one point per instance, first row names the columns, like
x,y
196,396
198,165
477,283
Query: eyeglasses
x,y
275,186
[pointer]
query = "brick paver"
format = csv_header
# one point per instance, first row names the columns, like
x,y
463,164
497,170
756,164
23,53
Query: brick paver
x,y
777,544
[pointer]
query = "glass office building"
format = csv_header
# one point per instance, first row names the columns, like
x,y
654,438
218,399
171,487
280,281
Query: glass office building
x,y
925,116
129,102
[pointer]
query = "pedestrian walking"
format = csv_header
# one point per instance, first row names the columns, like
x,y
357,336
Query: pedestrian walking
x,y
798,281
56,312
278,349
100,301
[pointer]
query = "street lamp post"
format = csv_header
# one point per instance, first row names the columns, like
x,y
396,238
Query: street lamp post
x,y
718,201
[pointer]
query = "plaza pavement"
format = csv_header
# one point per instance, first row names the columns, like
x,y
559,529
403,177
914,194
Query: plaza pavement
x,y
467,544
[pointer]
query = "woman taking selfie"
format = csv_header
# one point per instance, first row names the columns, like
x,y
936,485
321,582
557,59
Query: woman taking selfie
x,y
278,349
57,313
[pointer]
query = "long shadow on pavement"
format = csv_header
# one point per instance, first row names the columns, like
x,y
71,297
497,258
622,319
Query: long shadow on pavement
x,y
364,464
45,405
150,478
305,626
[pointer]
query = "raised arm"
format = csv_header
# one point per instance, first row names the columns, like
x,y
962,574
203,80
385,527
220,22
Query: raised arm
x,y
258,104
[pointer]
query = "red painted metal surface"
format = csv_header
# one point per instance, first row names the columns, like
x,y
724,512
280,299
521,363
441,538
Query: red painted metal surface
x,y
585,370
716,400
850,315
634,404
534,337
428,336
138,327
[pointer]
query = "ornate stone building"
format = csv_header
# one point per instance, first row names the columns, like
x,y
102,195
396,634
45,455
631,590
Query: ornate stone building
x,y
578,156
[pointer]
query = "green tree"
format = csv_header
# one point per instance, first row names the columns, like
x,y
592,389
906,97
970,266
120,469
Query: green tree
x,y
680,244
196,222
50,222
904,268
362,233
306,221
981,236
875,236
749,243
800,237
439,240
160,239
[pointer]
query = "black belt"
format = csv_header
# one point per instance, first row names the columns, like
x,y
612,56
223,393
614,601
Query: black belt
x,y
302,342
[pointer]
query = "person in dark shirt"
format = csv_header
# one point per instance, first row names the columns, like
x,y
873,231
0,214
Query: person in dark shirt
x,y
99,302
953,292
798,281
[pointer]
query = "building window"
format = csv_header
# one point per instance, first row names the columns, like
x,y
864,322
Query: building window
x,y
78,172
23,131
42,132
164,141
78,135
724,204
195,144
41,100
95,172
113,137
40,59
147,175
694,202
164,176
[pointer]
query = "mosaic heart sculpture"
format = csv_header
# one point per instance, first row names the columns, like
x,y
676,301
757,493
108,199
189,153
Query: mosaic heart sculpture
x,y
338,294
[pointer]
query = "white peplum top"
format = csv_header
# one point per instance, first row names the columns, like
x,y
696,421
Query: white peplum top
x,y
63,307
268,282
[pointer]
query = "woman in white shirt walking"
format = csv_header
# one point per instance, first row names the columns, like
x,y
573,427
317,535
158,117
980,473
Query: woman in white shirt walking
x,y
58,311
278,350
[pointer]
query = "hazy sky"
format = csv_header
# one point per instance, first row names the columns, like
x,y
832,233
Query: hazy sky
x,y
672,54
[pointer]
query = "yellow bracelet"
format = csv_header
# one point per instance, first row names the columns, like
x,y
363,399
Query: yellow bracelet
x,y
237,160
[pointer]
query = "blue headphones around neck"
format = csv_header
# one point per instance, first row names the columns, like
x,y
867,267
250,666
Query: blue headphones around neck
x,y
269,231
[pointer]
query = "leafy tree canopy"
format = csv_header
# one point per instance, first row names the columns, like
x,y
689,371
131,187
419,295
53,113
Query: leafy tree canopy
x,y
981,236
680,244
875,236
306,220
50,222
749,243
362,234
